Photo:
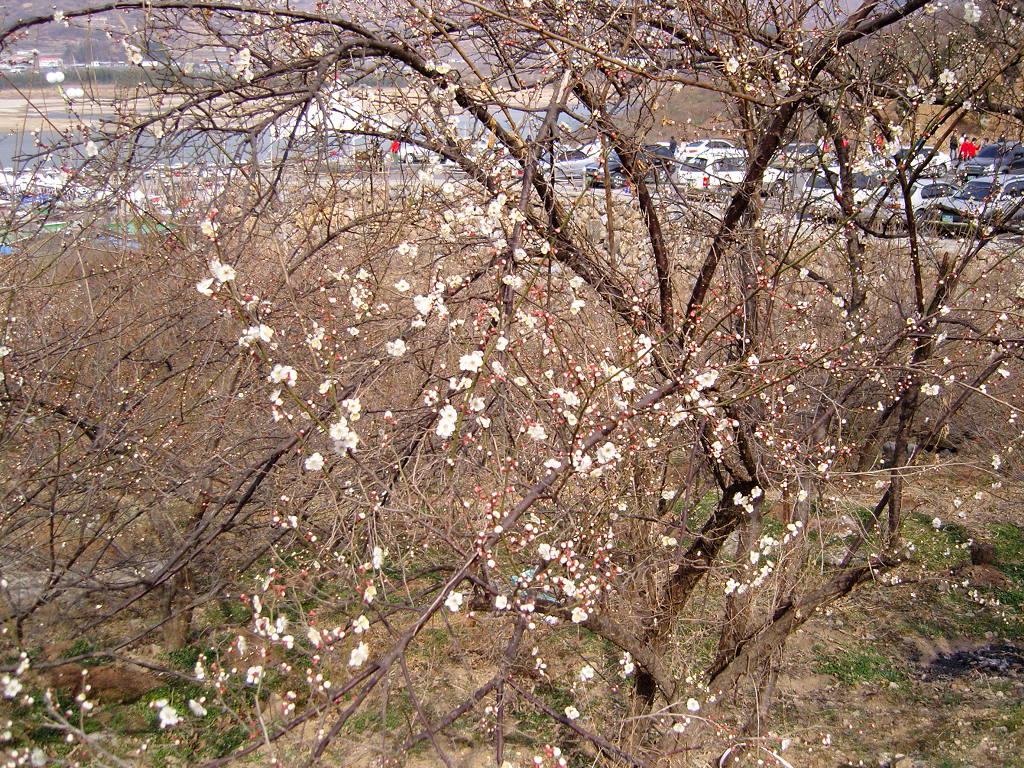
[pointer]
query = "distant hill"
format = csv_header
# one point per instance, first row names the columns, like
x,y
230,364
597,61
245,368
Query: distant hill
x,y
19,9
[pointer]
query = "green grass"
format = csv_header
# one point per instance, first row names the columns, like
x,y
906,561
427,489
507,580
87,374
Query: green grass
x,y
371,720
939,549
83,647
1009,543
1014,719
865,665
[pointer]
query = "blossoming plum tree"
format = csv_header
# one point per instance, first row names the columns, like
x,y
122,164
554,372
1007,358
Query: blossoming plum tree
x,y
606,443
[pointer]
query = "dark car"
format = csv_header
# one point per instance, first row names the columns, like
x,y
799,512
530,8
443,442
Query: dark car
x,y
994,160
661,157
985,201
658,166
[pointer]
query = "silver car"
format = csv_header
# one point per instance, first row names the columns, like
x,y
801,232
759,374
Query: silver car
x,y
983,202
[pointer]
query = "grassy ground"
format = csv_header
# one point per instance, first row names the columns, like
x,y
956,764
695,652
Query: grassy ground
x,y
872,697
857,687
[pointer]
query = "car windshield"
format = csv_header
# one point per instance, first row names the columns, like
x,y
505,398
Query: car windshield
x,y
977,190
695,145
824,181
695,164
919,152
866,181
732,164
659,151
574,154
989,151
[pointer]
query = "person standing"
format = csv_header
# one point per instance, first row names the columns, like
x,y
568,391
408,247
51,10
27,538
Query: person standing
x,y
954,148
673,145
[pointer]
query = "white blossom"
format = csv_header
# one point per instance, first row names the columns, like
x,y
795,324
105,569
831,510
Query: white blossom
x,y
222,273
168,715
607,452
256,333
453,602
283,373
377,559
471,362
241,64
626,662
359,655
423,304
445,428
344,437
196,708
572,713
12,686
396,348
314,462
134,53
707,379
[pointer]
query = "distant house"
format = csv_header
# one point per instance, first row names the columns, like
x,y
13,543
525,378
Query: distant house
x,y
51,62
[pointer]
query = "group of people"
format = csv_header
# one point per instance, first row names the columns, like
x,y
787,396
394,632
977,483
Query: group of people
x,y
967,147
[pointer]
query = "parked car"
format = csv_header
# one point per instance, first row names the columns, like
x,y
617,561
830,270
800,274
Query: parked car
x,y
617,178
712,149
821,192
935,162
892,210
986,201
658,162
725,173
802,154
661,158
572,163
994,160
412,153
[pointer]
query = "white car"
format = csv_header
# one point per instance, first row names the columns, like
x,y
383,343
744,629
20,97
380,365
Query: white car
x,y
412,153
922,195
573,163
820,194
712,149
704,174
936,162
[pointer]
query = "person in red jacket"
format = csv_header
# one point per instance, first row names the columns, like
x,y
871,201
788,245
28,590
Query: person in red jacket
x,y
968,149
